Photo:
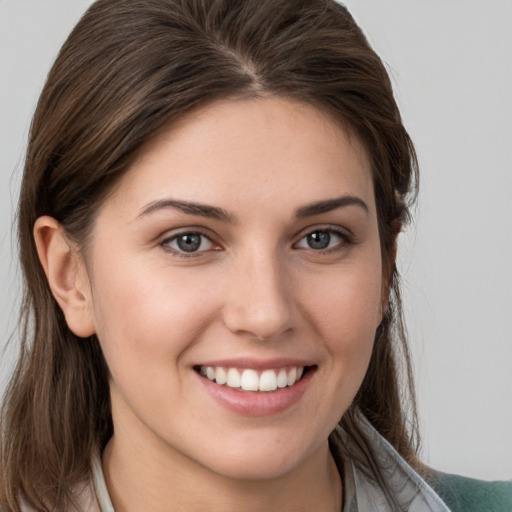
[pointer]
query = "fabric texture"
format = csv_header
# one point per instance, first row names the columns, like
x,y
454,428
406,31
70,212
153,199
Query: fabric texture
x,y
463,494
361,493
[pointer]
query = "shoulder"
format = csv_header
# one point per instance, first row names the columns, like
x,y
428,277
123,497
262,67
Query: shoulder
x,y
462,494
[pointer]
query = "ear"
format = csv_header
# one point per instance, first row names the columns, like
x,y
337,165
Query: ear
x,y
66,275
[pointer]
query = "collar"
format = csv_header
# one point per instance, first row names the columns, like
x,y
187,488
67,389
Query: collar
x,y
361,492
100,487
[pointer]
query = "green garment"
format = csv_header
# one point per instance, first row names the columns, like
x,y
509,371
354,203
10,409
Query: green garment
x,y
463,494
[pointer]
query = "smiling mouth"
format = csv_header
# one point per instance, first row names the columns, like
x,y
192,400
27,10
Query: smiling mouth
x,y
248,379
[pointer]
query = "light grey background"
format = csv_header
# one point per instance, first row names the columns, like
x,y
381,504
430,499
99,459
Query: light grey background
x,y
451,64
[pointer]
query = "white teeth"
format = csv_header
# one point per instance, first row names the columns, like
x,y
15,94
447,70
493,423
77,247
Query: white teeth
x,y
268,381
220,375
233,380
250,380
292,376
210,373
282,379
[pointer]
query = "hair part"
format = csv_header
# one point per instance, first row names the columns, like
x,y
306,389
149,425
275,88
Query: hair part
x,y
128,69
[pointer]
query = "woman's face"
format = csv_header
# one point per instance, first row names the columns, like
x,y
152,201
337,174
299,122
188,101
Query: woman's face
x,y
242,245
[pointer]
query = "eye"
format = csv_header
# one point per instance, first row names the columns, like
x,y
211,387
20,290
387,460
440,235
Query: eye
x,y
188,243
322,239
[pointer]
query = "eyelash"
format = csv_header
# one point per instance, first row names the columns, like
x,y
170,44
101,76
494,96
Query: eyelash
x,y
345,240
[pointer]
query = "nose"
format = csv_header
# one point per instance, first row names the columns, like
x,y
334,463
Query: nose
x,y
259,299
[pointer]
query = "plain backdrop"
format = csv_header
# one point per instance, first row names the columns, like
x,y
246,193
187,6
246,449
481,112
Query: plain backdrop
x,y
450,61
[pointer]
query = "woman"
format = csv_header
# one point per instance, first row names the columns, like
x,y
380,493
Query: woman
x,y
208,222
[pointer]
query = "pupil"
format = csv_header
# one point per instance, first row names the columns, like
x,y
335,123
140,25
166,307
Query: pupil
x,y
319,240
189,243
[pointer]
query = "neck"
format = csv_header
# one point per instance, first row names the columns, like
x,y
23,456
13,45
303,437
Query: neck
x,y
158,481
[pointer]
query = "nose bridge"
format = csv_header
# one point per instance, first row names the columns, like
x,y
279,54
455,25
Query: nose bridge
x,y
259,300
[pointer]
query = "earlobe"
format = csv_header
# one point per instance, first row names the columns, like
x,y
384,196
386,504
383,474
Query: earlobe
x,y
66,275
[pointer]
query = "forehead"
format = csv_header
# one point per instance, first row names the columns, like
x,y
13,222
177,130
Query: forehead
x,y
265,150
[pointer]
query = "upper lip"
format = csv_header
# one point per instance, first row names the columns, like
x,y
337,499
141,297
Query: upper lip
x,y
257,364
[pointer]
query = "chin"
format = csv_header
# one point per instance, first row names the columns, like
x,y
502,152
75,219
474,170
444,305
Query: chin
x,y
242,468
259,460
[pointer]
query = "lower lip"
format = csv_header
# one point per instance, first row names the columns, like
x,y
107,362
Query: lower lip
x,y
254,403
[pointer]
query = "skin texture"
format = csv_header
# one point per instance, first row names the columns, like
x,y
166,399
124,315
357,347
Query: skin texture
x,y
255,289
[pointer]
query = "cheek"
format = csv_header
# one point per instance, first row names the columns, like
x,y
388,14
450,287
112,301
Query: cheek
x,y
348,324
148,313
349,302
346,311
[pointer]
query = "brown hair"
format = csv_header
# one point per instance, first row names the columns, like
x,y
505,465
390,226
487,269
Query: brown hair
x,y
129,68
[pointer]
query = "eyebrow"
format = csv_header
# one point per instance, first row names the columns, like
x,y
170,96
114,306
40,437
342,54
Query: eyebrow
x,y
329,205
191,208
216,213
